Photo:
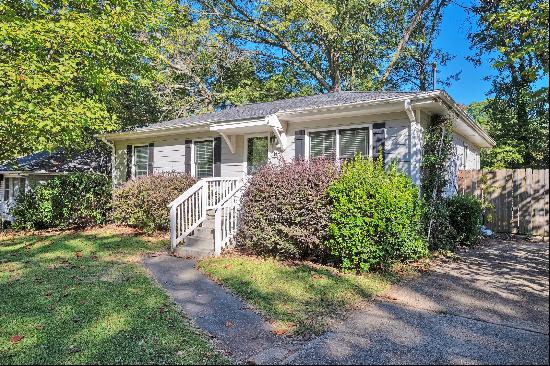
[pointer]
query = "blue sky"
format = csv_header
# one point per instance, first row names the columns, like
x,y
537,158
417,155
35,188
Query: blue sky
x,y
453,38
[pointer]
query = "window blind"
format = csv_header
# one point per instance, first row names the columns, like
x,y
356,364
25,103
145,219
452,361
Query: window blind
x,y
354,141
204,159
322,144
141,160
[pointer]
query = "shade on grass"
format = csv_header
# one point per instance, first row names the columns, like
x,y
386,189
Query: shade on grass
x,y
302,297
83,297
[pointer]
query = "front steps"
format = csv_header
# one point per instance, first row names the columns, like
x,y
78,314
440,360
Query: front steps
x,y
201,243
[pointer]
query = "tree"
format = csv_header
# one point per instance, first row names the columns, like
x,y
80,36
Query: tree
x,y
414,67
514,35
332,45
63,63
201,71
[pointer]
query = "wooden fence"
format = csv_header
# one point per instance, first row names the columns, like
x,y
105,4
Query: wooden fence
x,y
519,198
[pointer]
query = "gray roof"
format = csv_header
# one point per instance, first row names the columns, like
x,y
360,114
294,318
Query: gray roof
x,y
59,161
260,110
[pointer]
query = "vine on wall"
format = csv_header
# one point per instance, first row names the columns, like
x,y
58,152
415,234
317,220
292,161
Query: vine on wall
x,y
438,151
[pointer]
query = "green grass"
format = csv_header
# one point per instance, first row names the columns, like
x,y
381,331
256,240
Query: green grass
x,y
301,299
83,297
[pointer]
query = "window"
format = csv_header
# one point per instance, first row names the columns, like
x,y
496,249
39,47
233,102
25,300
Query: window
x,y
354,141
141,161
12,186
322,144
204,159
339,143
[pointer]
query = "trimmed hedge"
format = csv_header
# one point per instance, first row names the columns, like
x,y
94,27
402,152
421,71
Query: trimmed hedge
x,y
375,217
285,210
73,200
142,203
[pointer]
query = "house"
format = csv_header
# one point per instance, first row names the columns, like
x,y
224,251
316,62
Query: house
x,y
37,168
224,146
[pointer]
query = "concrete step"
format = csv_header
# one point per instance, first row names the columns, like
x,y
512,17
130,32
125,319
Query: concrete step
x,y
199,243
203,232
208,223
184,252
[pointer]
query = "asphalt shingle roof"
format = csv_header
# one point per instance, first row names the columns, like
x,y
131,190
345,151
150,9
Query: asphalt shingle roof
x,y
260,110
58,162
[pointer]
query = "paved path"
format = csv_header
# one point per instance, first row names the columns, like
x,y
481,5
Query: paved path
x,y
489,307
237,330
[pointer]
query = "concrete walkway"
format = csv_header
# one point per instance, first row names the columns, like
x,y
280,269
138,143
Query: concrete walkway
x,y
240,332
488,307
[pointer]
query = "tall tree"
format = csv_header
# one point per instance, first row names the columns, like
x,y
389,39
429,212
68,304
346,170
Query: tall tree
x,y
63,63
332,45
513,34
201,71
414,69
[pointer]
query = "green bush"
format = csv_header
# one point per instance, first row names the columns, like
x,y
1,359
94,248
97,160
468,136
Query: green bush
x,y
142,203
375,217
73,200
465,218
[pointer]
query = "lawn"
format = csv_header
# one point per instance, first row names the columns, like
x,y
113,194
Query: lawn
x,y
300,299
84,298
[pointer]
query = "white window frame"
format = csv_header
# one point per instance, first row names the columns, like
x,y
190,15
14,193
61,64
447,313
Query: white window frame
x,y
245,149
193,165
11,190
337,130
134,159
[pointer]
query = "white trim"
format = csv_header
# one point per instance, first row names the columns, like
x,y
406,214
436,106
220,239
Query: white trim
x,y
337,142
245,148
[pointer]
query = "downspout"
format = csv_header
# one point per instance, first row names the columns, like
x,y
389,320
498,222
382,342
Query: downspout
x,y
414,144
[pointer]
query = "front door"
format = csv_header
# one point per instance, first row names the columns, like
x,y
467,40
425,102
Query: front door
x,y
257,153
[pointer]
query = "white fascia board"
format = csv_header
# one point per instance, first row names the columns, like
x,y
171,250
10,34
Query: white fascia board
x,y
152,132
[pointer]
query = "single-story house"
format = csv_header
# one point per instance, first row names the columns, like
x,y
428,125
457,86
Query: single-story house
x,y
30,170
234,142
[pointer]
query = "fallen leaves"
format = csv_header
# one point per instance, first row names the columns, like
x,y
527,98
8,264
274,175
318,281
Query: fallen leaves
x,y
16,338
228,324
282,328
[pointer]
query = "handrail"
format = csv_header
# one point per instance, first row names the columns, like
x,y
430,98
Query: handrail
x,y
188,210
227,219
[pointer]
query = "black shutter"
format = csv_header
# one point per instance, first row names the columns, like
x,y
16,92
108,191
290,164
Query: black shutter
x,y
188,147
151,161
217,157
299,144
378,138
128,162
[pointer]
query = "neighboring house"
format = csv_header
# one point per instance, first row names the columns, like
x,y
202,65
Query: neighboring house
x,y
37,168
235,142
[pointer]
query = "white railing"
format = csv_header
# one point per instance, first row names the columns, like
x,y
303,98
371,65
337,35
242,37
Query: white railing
x,y
188,211
227,219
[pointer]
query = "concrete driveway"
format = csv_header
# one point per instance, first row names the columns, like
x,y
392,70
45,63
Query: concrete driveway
x,y
488,307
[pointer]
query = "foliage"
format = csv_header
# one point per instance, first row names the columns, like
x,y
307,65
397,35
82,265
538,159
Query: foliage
x,y
285,209
375,217
329,44
82,298
142,203
514,35
465,217
63,64
301,299
201,71
73,200
436,169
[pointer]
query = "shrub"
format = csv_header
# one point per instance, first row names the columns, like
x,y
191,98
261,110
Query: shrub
x,y
465,217
285,210
142,203
376,216
73,200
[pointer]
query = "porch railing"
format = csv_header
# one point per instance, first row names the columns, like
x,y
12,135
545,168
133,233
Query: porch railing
x,y
227,219
188,211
